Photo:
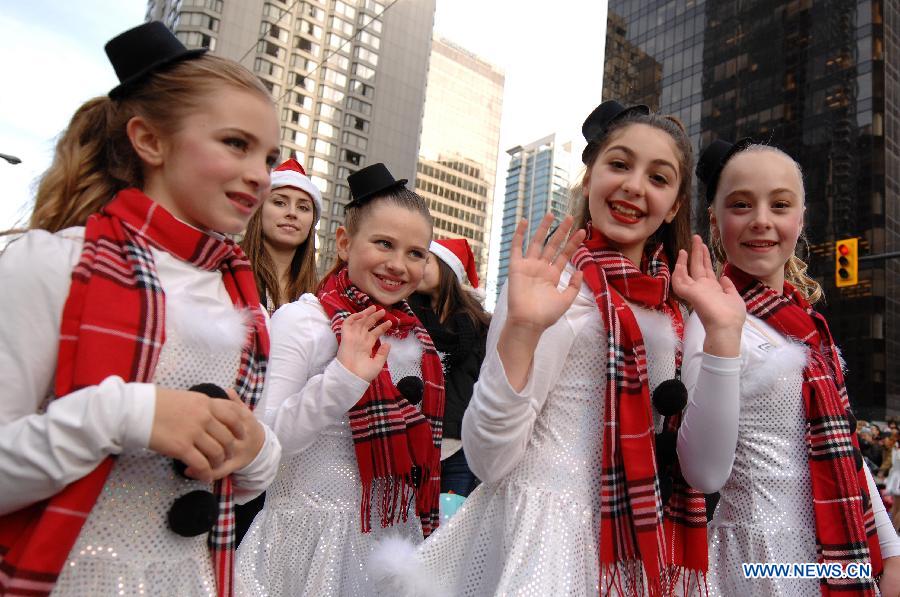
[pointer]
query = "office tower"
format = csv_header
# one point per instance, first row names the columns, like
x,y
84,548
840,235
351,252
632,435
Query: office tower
x,y
460,139
819,80
348,77
537,182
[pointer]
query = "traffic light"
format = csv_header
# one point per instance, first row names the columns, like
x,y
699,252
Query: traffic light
x,y
846,263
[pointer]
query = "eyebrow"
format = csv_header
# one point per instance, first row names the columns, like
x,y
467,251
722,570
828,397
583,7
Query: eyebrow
x,y
631,154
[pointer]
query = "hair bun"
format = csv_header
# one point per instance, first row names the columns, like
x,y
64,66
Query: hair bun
x,y
713,159
598,121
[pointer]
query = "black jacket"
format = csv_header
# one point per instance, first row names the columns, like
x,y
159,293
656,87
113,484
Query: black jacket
x,y
462,348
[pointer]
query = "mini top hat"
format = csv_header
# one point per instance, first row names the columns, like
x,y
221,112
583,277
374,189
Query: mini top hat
x,y
457,253
370,181
598,121
143,50
292,174
713,160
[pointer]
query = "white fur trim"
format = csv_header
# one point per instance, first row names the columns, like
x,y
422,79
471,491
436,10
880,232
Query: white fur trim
x,y
213,329
396,571
656,328
760,370
291,178
450,258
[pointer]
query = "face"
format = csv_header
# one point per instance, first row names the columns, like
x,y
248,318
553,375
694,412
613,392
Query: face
x,y
387,255
287,216
213,172
758,213
431,281
632,187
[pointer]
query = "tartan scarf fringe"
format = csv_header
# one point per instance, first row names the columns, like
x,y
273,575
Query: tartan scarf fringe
x,y
394,441
640,540
115,288
628,578
844,518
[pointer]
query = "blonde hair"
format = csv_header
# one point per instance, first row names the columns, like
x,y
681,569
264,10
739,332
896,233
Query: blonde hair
x,y
795,268
302,271
94,158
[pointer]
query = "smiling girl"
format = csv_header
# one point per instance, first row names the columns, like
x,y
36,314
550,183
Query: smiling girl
x,y
125,293
355,447
561,427
777,439
280,238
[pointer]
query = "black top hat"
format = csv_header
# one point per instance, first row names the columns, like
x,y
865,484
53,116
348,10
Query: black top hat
x,y
370,181
598,121
143,50
713,160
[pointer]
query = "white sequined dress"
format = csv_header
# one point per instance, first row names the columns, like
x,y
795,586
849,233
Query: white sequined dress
x,y
533,527
765,513
308,539
125,546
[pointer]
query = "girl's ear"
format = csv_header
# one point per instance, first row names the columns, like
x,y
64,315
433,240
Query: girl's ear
x,y
672,212
145,140
342,242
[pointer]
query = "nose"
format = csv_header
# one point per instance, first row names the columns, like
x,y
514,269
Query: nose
x,y
634,183
292,212
761,219
257,175
395,263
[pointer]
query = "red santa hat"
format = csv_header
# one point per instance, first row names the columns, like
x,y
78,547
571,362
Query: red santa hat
x,y
457,253
292,174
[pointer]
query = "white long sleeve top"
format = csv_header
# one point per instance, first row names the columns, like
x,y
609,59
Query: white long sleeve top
x,y
308,389
715,422
47,444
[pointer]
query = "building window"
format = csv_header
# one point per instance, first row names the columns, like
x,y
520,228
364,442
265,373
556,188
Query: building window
x,y
329,111
301,43
363,71
357,123
367,38
343,9
354,140
324,147
310,29
367,55
352,157
359,106
265,67
332,76
362,89
275,31
331,93
270,49
324,129
342,26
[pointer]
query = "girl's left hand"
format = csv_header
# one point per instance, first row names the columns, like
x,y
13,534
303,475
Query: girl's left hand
x,y
715,300
245,449
890,579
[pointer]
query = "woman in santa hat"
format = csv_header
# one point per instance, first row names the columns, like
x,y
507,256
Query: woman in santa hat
x,y
280,242
457,323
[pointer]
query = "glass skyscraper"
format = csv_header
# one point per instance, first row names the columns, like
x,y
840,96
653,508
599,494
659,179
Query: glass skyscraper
x,y
537,181
820,81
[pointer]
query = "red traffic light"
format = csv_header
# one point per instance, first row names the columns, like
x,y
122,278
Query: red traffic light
x,y
843,249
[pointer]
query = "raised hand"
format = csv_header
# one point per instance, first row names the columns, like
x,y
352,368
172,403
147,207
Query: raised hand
x,y
534,302
715,300
358,336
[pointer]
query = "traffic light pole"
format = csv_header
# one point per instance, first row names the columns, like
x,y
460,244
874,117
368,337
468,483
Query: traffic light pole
x,y
880,256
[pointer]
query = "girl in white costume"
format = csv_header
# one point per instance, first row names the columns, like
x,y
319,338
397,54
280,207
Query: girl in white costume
x,y
781,397
124,294
354,447
552,440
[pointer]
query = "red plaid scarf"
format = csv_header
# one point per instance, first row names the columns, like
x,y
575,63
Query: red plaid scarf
x,y
116,308
845,522
390,435
635,531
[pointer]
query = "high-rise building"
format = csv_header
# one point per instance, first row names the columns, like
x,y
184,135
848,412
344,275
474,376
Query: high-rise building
x,y
458,150
819,80
537,182
348,77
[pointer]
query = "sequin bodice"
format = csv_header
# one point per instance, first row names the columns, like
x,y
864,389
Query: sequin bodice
x,y
125,546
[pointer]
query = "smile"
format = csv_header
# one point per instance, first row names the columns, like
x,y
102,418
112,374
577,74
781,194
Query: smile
x,y
625,212
243,200
389,283
289,227
760,245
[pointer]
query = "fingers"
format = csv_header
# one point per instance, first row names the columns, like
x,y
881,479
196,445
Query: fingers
x,y
707,262
727,285
222,435
229,414
551,249
381,355
380,329
680,278
197,465
211,449
517,240
695,266
537,241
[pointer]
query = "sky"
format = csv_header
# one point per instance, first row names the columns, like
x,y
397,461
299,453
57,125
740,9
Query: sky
x,y
53,61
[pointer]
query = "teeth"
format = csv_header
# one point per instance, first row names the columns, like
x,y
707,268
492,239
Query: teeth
x,y
626,211
761,244
390,282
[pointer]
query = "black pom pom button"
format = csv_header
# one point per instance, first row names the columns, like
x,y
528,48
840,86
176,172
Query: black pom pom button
x,y
670,397
193,513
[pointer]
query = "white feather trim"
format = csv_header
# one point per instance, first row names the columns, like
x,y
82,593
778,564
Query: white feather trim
x,y
761,370
216,329
656,328
396,571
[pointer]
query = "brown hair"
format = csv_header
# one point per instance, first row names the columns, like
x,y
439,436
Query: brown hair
x,y
94,158
452,298
795,268
356,213
302,269
673,235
